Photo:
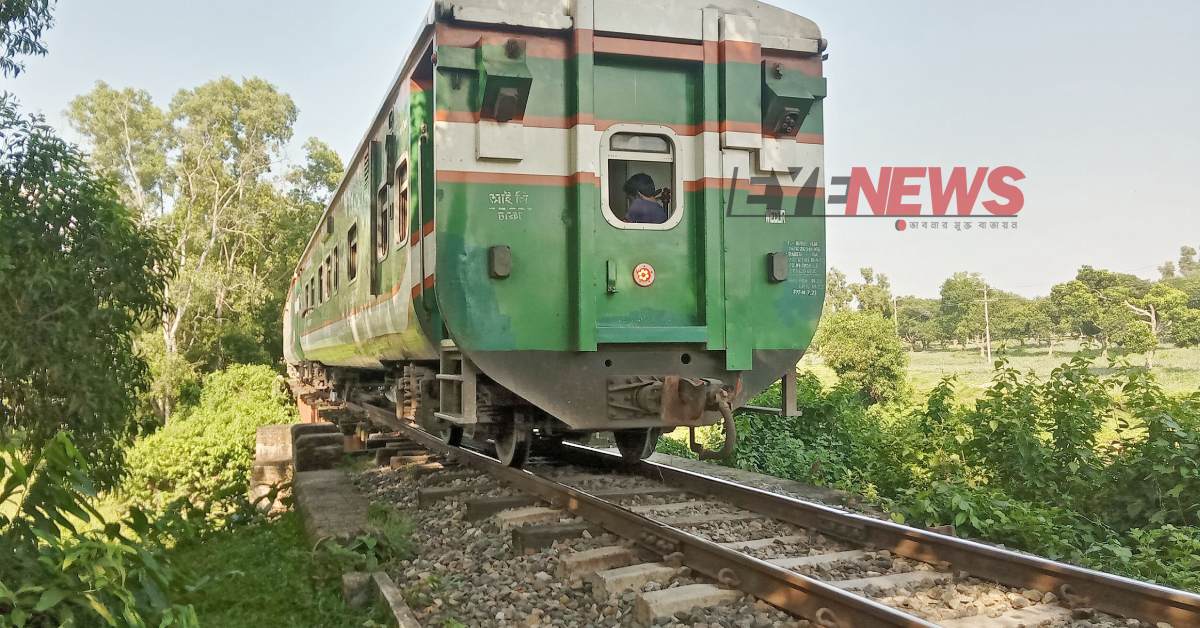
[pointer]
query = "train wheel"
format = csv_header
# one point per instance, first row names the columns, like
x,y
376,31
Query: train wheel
x,y
637,444
512,443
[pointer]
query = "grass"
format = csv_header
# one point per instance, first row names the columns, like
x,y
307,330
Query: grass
x,y
1176,369
264,576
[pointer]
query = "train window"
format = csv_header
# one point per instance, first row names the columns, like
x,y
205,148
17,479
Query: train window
x,y
640,143
335,267
384,212
328,277
352,253
641,179
402,202
320,284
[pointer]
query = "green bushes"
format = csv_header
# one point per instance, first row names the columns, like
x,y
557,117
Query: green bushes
x,y
865,352
1101,468
64,564
980,512
205,454
830,446
1154,477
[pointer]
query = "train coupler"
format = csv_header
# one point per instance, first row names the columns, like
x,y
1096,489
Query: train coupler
x,y
718,399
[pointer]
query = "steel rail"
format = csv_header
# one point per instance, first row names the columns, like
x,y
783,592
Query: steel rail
x,y
1084,587
800,595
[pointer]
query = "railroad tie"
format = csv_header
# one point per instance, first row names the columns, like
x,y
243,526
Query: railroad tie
x,y
1028,616
622,494
577,565
892,580
610,582
666,602
761,543
531,538
686,522
517,517
429,496
401,462
818,559
665,507
427,468
484,507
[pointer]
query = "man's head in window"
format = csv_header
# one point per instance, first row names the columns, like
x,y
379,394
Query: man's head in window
x,y
645,202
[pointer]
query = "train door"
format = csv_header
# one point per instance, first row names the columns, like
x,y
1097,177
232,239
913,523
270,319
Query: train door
x,y
650,240
381,211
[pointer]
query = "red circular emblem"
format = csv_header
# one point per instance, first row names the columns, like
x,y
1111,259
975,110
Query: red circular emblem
x,y
643,274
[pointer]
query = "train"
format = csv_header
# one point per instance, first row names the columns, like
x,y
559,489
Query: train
x,y
571,217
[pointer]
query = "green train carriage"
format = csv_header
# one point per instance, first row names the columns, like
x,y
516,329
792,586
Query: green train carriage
x,y
480,265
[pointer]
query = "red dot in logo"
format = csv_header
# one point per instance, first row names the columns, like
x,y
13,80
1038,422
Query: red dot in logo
x,y
901,224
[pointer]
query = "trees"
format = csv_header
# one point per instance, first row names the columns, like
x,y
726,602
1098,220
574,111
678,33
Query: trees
x,y
227,137
961,312
917,321
1092,306
837,292
874,294
1007,316
203,170
865,352
1078,307
1185,328
1040,322
1188,265
22,23
78,275
1156,309
130,137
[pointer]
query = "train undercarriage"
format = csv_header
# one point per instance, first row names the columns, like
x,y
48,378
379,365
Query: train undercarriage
x,y
430,395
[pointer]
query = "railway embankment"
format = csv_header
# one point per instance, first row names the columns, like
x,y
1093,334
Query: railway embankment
x,y
303,461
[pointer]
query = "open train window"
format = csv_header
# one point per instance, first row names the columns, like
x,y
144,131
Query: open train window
x,y
402,202
320,284
352,253
641,177
327,277
383,209
334,267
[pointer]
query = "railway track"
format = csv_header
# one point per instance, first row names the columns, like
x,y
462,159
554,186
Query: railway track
x,y
829,566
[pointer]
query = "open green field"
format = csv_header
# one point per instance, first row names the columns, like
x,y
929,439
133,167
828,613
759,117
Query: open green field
x,y
1178,370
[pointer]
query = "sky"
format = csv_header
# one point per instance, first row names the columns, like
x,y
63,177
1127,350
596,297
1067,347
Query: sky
x,y
1096,102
